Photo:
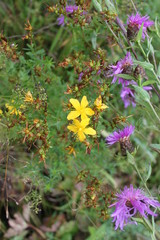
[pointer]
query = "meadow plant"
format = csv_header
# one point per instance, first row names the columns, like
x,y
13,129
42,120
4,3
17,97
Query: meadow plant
x,y
85,119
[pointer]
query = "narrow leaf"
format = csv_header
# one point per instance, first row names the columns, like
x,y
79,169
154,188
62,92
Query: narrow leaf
x,y
149,82
139,35
126,76
145,65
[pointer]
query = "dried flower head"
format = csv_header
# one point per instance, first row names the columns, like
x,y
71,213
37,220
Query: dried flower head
x,y
128,203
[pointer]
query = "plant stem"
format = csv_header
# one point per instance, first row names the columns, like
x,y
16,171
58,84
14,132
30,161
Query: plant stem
x,y
144,183
154,111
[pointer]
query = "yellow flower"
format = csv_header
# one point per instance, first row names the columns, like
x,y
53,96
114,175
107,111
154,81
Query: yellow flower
x,y
80,129
12,110
81,109
28,97
1,112
98,103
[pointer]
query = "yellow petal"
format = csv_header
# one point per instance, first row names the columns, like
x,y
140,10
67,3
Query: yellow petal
x,y
85,122
75,103
81,136
89,111
72,128
104,106
98,101
89,131
84,102
84,116
77,123
73,115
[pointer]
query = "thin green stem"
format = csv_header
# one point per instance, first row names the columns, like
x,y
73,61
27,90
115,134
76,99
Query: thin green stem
x,y
140,176
154,111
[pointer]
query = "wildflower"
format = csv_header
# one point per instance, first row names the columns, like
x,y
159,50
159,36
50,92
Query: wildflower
x,y
71,9
1,112
135,22
98,103
124,66
122,136
12,110
60,20
81,109
128,203
28,97
128,97
80,129
80,76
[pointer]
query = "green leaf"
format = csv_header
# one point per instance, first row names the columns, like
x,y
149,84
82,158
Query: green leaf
x,y
155,146
149,170
110,6
99,233
126,76
149,82
156,27
145,65
142,94
97,5
130,158
94,40
139,35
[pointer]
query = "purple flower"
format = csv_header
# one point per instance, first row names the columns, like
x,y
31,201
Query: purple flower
x,y
71,8
120,135
128,97
61,20
80,76
135,22
128,203
124,66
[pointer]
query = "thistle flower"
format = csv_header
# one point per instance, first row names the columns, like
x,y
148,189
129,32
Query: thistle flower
x,y
60,20
135,22
80,129
98,103
128,97
128,203
124,66
81,109
122,136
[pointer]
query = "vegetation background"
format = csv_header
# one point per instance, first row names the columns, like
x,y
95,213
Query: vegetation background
x,y
57,208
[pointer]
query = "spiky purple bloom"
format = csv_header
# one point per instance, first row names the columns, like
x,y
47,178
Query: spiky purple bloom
x,y
135,22
120,135
123,66
71,8
128,97
61,20
128,203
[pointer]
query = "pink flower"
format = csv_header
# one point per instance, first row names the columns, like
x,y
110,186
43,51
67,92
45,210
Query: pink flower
x,y
128,203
